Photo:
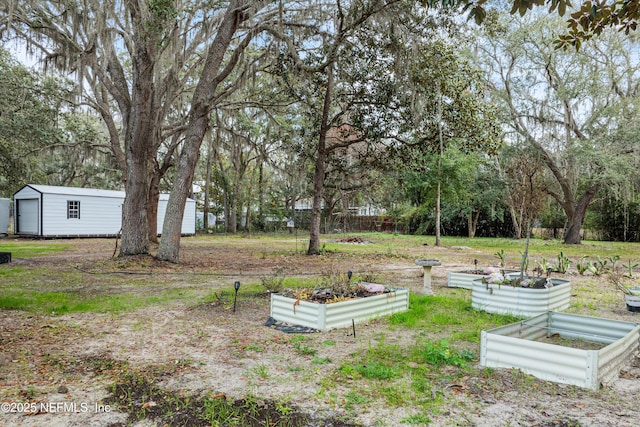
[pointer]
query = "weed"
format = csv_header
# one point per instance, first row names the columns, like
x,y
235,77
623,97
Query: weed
x,y
305,350
440,354
299,338
137,394
395,395
321,360
416,419
260,370
254,347
275,283
283,408
373,369
355,398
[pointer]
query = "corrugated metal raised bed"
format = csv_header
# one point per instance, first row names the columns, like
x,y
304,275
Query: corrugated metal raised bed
x,y
519,301
338,314
457,279
464,280
519,346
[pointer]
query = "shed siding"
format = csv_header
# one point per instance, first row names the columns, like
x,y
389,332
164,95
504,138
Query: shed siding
x,y
27,193
100,212
98,216
188,219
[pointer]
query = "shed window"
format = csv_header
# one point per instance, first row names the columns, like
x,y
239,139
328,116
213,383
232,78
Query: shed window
x,y
73,209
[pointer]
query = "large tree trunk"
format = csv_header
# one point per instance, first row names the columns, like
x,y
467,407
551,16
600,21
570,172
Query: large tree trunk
x,y
201,105
139,143
318,177
169,249
472,223
135,239
575,216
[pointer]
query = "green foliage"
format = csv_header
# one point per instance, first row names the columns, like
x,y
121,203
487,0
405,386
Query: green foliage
x,y
629,266
441,355
30,108
305,350
355,398
372,369
416,419
501,255
583,265
320,360
613,259
598,267
563,263
542,266
274,283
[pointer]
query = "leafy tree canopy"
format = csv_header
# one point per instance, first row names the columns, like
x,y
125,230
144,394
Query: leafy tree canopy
x,y
590,19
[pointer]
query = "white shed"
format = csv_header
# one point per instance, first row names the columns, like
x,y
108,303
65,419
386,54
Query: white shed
x,y
50,211
4,216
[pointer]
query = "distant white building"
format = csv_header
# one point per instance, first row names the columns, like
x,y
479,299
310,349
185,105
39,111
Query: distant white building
x,y
4,216
51,211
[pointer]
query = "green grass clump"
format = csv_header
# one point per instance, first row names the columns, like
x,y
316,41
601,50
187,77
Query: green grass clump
x,y
30,249
440,354
449,315
71,302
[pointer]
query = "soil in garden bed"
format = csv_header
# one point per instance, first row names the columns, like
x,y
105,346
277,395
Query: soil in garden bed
x,y
333,294
576,343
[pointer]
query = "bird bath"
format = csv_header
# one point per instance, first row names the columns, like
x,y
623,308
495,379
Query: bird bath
x,y
426,265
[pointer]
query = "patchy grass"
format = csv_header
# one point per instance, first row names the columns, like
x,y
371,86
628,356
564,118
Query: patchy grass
x,y
70,302
449,316
416,360
30,249
137,393
412,372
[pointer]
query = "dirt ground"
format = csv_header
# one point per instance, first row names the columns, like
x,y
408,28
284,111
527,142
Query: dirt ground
x,y
68,362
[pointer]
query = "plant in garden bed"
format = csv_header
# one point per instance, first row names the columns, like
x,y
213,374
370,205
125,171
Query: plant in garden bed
x,y
336,293
563,263
538,282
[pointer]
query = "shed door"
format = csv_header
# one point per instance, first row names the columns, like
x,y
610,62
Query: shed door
x,y
27,216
